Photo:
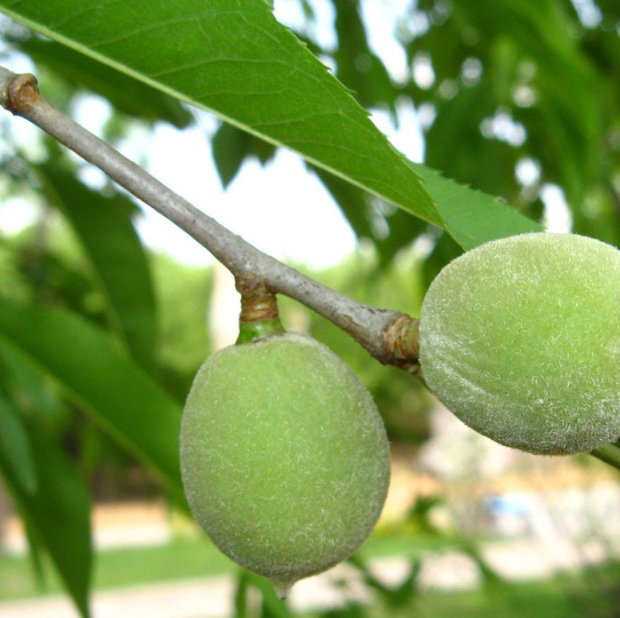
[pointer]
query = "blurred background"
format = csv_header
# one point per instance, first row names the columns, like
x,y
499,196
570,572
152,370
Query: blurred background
x,y
519,98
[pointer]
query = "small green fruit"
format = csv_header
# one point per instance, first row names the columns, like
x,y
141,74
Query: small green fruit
x,y
284,457
520,338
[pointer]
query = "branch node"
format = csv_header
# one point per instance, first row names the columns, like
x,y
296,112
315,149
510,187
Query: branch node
x,y
259,316
400,342
258,300
23,92
259,276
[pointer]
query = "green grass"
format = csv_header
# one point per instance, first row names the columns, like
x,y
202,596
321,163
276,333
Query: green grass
x,y
589,594
565,596
181,559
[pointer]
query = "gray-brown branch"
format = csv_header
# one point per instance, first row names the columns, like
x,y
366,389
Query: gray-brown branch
x,y
389,336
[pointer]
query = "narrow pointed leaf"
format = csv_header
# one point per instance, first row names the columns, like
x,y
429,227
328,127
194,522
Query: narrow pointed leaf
x,y
230,146
22,380
125,93
103,225
235,59
103,380
16,455
473,217
56,511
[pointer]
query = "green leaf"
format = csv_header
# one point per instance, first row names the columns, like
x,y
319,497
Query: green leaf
x,y
473,217
351,200
239,62
104,227
241,592
489,576
536,48
15,451
125,93
57,511
272,606
357,66
25,383
231,146
401,596
475,159
104,380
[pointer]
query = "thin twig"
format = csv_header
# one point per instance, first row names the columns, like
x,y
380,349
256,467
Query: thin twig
x,y
389,336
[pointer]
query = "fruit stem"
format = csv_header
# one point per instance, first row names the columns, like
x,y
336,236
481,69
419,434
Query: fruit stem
x,y
609,453
282,588
259,317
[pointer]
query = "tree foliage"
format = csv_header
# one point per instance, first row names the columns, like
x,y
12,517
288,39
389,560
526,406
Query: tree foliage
x,y
499,88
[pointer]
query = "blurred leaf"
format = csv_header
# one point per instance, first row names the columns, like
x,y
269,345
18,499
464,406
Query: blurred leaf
x,y
183,302
57,511
35,554
104,227
358,67
125,93
272,606
489,576
245,66
402,595
48,275
350,199
457,146
421,511
539,72
425,504
350,611
444,251
231,146
241,592
26,385
107,384
15,451
401,228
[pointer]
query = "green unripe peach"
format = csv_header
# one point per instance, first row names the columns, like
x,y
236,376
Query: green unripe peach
x,y
520,338
284,457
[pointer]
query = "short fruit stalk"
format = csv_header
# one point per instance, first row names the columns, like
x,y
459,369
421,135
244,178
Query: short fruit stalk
x,y
259,315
